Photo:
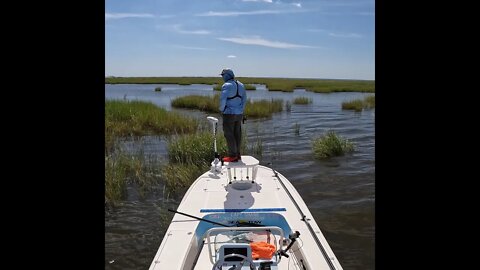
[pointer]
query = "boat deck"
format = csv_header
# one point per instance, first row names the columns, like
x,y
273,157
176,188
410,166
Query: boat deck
x,y
217,196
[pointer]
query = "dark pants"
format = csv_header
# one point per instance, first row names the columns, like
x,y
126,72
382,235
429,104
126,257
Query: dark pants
x,y
232,130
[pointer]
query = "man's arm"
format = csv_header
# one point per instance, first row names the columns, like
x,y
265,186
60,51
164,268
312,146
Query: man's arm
x,y
244,98
223,98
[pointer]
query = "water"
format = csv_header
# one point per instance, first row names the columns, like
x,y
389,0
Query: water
x,y
339,192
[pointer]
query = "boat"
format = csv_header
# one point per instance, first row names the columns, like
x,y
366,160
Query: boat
x,y
243,216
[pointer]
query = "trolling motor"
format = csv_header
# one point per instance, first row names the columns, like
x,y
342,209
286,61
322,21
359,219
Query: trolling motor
x,y
215,168
293,237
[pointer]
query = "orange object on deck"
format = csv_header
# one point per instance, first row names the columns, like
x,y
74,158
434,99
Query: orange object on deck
x,y
262,250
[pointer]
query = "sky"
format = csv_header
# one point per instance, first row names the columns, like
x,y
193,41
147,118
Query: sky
x,y
324,39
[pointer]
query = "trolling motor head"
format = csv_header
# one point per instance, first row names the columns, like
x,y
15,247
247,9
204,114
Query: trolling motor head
x,y
212,119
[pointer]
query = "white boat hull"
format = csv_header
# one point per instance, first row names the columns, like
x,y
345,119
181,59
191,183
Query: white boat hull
x,y
269,200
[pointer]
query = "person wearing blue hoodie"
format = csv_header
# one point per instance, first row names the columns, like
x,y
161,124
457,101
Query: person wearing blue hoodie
x,y
233,99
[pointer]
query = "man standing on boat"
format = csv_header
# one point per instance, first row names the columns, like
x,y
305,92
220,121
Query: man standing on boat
x,y
232,105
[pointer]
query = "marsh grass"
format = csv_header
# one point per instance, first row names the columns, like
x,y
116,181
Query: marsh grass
x,y
302,100
247,87
195,148
369,102
123,168
202,103
190,155
358,105
330,145
263,108
178,176
133,119
256,148
273,84
253,109
138,118
115,185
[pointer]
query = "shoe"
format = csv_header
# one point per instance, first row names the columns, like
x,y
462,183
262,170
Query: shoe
x,y
230,159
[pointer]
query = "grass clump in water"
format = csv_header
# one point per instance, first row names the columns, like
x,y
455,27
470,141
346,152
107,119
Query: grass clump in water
x,y
360,104
137,118
122,169
190,155
331,145
253,109
178,177
202,103
218,87
263,108
195,148
302,100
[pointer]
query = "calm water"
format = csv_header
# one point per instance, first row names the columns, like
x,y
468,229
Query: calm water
x,y
339,192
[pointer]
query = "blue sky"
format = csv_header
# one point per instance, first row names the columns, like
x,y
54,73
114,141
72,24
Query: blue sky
x,y
332,39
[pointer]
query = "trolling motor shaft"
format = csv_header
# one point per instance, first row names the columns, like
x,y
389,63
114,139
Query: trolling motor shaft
x,y
215,167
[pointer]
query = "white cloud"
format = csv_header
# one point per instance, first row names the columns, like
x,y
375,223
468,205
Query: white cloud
x,y
109,16
165,16
297,4
232,56
256,40
179,29
194,32
240,13
266,1
345,35
191,48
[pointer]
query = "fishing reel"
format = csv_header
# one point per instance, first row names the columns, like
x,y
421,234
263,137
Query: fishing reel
x,y
293,237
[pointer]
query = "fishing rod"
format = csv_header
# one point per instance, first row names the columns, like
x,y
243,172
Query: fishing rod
x,y
240,224
206,220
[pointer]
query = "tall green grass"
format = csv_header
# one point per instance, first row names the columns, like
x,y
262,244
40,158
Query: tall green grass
x,y
123,168
253,109
302,100
142,118
179,176
138,118
358,105
195,148
190,155
263,108
330,145
202,103
135,119
369,102
247,87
